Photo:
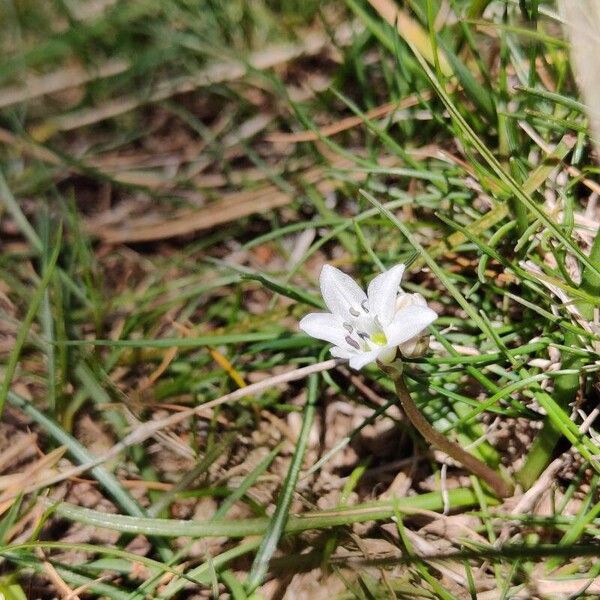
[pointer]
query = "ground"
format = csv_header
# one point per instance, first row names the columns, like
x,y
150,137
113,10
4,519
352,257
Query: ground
x,y
173,176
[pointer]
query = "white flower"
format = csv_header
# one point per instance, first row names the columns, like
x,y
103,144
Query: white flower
x,y
372,326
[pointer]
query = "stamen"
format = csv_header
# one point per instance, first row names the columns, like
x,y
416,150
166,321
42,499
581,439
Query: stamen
x,y
348,327
352,342
362,305
362,335
354,312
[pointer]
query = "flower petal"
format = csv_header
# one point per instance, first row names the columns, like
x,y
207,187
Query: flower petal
x,y
340,292
388,354
383,291
338,352
360,359
324,326
408,323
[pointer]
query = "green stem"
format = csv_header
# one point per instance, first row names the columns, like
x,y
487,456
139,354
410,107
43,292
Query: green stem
x,y
239,528
500,487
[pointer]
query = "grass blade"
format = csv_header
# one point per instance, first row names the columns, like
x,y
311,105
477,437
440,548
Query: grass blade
x,y
280,516
34,305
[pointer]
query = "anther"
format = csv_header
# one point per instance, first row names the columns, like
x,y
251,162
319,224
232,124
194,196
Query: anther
x,y
354,312
363,306
352,342
362,335
348,327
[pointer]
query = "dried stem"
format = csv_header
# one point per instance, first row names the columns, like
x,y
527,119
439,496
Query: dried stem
x,y
500,487
150,428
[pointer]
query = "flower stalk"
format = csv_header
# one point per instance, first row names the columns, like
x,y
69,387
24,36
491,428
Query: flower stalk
x,y
496,483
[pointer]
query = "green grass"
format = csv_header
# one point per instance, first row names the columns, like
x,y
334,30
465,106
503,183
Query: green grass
x,y
158,248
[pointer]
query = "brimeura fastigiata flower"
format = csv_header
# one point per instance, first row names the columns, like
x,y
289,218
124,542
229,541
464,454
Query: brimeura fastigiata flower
x,y
376,326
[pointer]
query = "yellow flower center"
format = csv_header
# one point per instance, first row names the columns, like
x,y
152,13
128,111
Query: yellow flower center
x,y
379,338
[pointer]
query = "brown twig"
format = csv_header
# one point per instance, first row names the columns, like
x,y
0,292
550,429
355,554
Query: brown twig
x,y
500,487
150,428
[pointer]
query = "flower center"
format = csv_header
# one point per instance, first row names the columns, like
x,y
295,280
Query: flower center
x,y
379,338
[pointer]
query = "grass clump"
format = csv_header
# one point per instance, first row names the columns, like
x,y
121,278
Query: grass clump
x,y
172,178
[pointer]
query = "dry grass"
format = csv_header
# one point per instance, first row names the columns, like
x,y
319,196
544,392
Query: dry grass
x,y
194,168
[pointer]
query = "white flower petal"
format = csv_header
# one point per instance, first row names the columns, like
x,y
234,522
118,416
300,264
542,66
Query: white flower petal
x,y
324,326
383,291
338,352
388,354
340,292
405,300
359,360
408,323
